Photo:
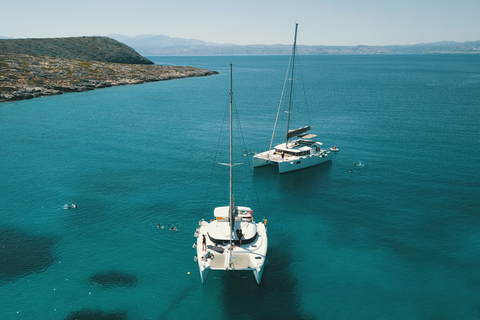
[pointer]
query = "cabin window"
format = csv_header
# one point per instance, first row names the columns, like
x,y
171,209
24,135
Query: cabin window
x,y
298,154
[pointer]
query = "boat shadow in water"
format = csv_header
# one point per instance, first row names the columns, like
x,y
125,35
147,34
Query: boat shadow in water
x,y
97,315
277,297
295,182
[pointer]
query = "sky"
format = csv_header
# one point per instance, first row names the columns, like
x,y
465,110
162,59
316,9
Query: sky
x,y
321,22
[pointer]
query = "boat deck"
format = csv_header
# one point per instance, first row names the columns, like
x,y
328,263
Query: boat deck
x,y
241,257
269,156
239,261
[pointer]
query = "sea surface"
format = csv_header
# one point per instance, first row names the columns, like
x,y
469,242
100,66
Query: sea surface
x,y
396,236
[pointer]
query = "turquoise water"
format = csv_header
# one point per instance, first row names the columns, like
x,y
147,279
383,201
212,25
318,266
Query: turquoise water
x,y
396,237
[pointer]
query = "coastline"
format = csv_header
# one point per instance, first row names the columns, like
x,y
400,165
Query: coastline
x,y
26,76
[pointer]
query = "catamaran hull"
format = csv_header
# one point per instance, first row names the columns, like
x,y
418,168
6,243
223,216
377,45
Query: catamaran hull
x,y
204,272
261,160
289,165
258,274
250,256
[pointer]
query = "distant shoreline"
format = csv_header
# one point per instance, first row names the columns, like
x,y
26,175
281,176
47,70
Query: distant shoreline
x,y
31,68
158,45
197,53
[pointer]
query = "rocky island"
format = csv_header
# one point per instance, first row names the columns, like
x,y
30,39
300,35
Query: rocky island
x,y
32,68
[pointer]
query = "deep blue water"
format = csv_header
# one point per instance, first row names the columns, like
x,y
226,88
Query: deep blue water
x,y
396,238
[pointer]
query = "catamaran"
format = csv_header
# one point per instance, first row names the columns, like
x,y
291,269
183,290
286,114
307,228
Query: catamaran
x,y
232,240
299,153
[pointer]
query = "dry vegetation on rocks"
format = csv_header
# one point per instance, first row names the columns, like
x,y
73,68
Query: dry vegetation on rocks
x,y
32,68
25,76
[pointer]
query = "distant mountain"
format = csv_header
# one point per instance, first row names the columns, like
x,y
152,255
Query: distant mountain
x,y
152,45
164,45
159,40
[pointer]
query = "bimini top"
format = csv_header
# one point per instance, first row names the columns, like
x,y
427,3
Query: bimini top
x,y
307,136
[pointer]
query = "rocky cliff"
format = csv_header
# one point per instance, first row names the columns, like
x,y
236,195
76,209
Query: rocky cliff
x,y
32,68
87,48
25,76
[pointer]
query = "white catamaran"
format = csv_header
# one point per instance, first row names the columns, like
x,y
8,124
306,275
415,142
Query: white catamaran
x,y
232,241
299,153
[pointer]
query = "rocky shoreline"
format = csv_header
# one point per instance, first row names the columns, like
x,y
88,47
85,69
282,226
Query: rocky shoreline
x,y
26,76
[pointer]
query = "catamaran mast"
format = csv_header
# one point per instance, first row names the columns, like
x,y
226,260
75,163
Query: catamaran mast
x,y
232,201
291,82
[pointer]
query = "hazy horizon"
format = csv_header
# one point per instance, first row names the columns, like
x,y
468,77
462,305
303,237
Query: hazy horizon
x,y
248,44
329,23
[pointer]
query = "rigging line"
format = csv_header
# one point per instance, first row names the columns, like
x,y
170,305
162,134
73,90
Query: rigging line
x,y
280,104
214,161
247,155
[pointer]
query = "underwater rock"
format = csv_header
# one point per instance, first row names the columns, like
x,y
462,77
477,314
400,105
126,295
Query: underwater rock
x,y
22,253
91,314
113,278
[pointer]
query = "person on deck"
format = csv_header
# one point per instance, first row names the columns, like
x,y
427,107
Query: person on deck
x,y
240,235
